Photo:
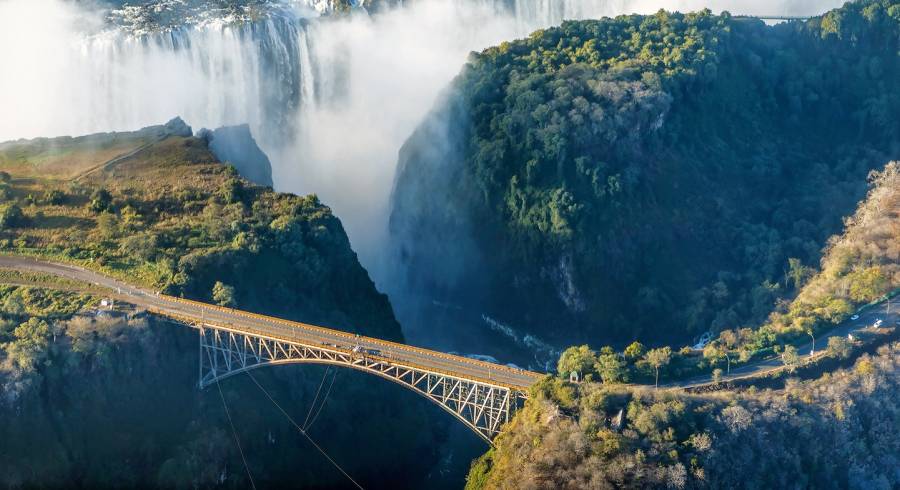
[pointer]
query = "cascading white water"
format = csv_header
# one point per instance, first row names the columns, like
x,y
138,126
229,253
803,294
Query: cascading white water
x,y
331,100
213,75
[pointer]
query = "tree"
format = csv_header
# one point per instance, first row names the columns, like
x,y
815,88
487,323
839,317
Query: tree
x,y
837,310
108,225
223,294
29,348
717,375
865,367
658,358
868,284
54,197
634,351
140,245
790,358
131,218
729,339
715,352
14,304
232,190
797,272
839,347
580,359
611,368
101,201
11,216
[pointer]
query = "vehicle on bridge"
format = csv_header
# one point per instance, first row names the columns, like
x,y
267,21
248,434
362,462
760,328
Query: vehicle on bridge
x,y
367,352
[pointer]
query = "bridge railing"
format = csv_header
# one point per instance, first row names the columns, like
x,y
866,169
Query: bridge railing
x,y
403,363
323,330
352,337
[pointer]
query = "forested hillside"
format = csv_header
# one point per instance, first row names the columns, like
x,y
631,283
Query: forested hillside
x,y
647,177
863,262
861,266
840,431
103,400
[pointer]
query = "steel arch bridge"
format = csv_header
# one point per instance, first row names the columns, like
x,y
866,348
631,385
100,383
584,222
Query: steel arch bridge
x,y
480,394
482,406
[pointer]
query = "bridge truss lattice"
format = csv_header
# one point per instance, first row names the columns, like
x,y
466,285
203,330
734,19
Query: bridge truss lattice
x,y
483,406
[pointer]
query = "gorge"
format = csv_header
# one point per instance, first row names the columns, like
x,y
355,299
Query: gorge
x,y
305,80
495,178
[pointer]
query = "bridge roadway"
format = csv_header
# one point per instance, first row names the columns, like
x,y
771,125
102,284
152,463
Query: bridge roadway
x,y
774,17
198,313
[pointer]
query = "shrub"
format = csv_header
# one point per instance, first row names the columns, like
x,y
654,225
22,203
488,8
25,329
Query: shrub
x,y
101,201
11,216
223,294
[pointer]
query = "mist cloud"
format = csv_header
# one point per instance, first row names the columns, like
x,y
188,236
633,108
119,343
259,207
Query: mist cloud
x,y
332,124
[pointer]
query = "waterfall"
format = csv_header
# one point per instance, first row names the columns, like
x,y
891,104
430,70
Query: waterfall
x,y
330,98
214,75
262,71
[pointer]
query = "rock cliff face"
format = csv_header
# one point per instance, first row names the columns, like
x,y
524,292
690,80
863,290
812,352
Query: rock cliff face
x,y
235,145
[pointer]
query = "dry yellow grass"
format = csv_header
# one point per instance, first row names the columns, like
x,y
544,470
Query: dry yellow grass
x,y
65,159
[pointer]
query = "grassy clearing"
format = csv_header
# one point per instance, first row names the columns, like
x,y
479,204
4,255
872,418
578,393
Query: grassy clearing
x,y
64,158
114,219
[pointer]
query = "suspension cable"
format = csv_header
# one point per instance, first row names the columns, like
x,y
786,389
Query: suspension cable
x,y
300,429
316,398
233,431
324,400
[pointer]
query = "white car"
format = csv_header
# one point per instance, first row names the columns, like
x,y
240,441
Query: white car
x,y
877,323
854,317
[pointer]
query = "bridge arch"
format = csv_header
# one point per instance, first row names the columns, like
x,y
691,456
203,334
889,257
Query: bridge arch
x,y
481,405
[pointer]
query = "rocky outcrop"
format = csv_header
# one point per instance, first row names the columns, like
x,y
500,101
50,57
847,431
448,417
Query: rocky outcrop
x,y
235,145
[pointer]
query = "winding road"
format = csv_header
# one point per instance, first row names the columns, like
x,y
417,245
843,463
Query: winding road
x,y
888,312
194,312
518,379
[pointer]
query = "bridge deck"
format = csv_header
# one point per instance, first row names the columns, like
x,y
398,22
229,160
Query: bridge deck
x,y
774,17
276,328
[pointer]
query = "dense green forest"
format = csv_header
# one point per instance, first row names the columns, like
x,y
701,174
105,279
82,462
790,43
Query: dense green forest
x,y
647,177
111,400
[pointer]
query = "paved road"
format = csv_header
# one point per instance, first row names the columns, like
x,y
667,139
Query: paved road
x,y
314,336
192,311
888,312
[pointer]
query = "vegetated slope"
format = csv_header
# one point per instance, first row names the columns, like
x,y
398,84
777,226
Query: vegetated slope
x,y
646,177
65,158
113,402
840,431
174,218
862,263
860,266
